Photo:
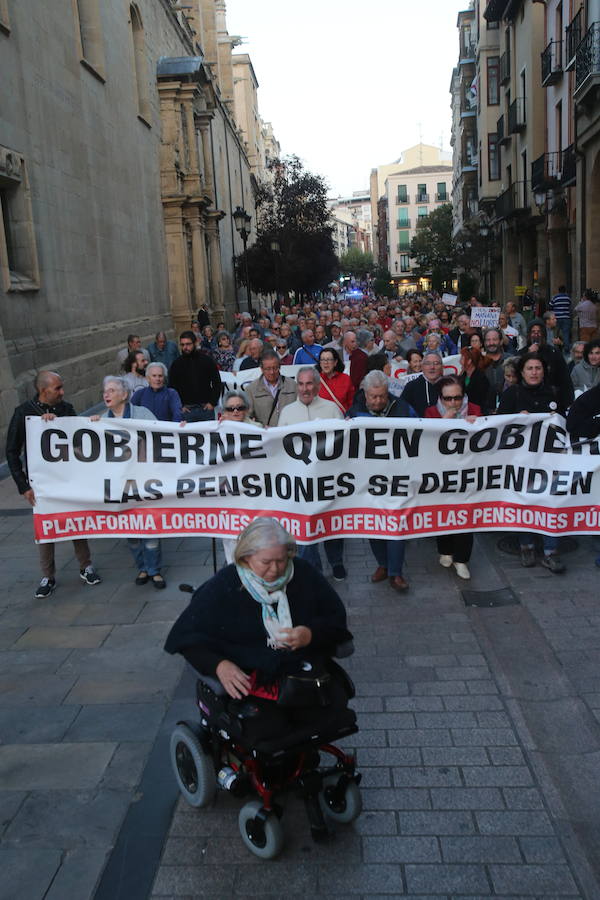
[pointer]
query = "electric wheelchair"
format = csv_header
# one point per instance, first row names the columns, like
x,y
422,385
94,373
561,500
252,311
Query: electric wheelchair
x,y
211,753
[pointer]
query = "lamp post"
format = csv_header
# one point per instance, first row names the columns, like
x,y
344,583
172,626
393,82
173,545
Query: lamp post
x,y
242,225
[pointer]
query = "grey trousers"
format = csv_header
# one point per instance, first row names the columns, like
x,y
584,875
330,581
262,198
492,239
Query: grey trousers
x,y
82,552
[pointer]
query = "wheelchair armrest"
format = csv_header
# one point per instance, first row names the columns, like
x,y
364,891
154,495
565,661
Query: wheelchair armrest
x,y
344,650
214,684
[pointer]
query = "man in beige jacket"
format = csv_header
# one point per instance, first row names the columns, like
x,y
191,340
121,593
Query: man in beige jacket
x,y
270,392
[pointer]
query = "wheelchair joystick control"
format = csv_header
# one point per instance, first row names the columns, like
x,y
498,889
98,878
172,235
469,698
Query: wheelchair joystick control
x,y
227,778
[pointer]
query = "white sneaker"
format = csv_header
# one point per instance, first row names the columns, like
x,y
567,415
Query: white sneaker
x,y
462,570
445,561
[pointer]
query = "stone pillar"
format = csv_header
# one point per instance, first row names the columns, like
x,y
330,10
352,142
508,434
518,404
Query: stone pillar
x,y
179,288
217,299
192,176
203,123
201,288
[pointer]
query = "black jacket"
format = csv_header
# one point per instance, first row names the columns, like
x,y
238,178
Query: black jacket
x,y
15,439
224,622
420,393
581,420
556,366
520,398
196,379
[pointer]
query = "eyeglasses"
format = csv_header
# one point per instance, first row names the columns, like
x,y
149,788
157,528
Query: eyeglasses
x,y
235,408
453,398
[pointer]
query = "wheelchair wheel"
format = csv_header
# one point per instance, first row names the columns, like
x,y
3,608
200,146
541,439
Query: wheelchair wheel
x,y
345,809
193,768
263,838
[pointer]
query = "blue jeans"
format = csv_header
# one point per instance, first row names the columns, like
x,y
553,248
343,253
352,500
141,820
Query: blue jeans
x,y
389,555
146,553
564,327
334,551
550,542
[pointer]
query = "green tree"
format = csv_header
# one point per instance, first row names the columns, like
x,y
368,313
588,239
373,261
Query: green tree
x,y
432,247
356,262
381,283
292,210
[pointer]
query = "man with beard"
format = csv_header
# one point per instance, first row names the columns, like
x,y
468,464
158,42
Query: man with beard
x,y
196,379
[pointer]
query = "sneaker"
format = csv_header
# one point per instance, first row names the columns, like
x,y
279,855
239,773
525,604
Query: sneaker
x,y
445,561
527,557
554,563
45,588
89,575
462,570
339,573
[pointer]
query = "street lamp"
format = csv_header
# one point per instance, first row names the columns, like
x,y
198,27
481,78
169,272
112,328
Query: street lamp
x,y
242,225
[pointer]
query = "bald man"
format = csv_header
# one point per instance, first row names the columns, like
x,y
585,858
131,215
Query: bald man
x,y
49,403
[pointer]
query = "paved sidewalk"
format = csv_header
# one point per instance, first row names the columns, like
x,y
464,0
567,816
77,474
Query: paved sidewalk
x,y
479,736
459,796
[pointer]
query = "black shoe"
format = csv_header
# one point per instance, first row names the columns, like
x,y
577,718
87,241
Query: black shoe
x,y
554,563
339,573
89,575
159,582
45,588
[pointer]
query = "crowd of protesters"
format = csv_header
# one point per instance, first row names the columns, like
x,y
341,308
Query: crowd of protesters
x,y
359,356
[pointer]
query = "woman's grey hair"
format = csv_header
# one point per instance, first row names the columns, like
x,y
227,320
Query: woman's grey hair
x,y
375,379
223,334
240,394
116,379
363,336
261,533
157,365
511,363
314,374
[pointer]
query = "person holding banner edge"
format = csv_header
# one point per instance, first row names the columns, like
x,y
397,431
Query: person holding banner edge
x,y
49,403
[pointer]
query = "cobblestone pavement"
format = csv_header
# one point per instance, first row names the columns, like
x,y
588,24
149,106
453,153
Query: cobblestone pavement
x,y
479,735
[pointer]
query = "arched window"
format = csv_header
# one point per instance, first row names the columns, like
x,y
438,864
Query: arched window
x,y
89,36
140,64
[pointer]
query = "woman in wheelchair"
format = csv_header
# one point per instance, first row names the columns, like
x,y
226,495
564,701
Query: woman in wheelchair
x,y
267,627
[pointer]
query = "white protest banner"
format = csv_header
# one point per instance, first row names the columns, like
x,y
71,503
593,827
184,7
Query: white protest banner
x,y
371,477
449,299
485,316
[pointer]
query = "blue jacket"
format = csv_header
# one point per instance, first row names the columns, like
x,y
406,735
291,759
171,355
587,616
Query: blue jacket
x,y
166,356
165,404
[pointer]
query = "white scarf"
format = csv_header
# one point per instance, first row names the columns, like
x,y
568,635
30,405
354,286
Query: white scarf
x,y
269,593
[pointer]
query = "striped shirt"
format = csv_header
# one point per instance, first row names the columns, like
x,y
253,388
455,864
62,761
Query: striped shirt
x,y
561,306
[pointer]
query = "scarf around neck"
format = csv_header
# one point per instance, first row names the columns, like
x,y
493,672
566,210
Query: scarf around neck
x,y
269,594
460,412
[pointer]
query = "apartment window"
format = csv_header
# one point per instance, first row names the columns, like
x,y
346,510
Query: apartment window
x,y
4,21
491,26
404,262
442,193
140,64
421,192
18,253
421,212
493,80
524,170
493,158
559,126
403,218
402,194
403,240
89,36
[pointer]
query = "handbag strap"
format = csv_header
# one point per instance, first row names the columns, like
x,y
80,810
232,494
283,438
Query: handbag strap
x,y
332,395
275,400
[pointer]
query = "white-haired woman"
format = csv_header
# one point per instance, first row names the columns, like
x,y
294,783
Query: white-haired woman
x,y
266,616
145,551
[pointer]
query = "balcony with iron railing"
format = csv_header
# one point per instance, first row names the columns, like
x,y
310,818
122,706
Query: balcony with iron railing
x,y
546,171
402,199
552,65
502,137
568,166
505,67
517,120
467,53
442,198
587,62
573,35
422,198
403,223
513,201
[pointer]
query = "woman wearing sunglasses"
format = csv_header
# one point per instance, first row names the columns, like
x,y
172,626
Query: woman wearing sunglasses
x,y
454,549
235,407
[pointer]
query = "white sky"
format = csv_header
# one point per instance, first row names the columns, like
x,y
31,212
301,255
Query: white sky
x,y
346,83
